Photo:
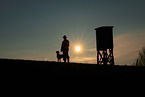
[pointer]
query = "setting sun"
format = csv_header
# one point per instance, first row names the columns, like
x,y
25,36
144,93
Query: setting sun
x,y
78,48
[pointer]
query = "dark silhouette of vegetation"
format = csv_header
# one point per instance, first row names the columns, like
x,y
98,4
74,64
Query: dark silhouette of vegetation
x,y
141,58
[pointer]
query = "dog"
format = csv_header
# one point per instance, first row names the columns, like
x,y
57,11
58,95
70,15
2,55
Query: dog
x,y
59,56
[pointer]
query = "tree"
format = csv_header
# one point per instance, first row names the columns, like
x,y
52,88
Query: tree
x,y
141,58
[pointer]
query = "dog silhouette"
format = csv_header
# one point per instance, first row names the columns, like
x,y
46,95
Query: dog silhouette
x,y
59,56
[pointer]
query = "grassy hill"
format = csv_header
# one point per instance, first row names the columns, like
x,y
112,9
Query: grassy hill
x,y
46,68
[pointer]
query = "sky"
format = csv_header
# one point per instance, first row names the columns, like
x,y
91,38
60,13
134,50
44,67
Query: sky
x,y
34,29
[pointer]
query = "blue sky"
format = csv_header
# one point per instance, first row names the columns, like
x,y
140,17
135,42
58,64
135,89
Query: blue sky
x,y
33,29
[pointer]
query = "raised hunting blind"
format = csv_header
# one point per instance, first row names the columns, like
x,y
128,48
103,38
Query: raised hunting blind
x,y
104,45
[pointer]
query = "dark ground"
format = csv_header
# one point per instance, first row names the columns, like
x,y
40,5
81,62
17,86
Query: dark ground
x,y
24,77
73,71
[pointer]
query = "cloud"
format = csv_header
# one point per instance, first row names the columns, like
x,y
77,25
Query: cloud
x,y
84,59
127,46
25,54
91,50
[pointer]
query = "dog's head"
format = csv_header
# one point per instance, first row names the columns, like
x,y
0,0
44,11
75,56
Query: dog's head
x,y
57,52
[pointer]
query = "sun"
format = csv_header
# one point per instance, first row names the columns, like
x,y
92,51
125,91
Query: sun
x,y
78,48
